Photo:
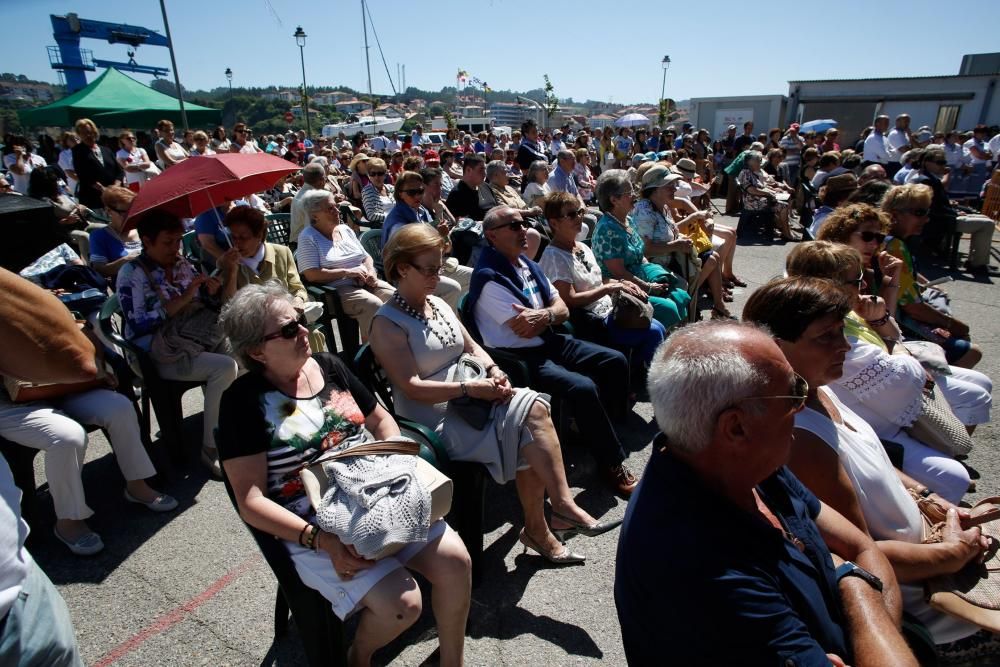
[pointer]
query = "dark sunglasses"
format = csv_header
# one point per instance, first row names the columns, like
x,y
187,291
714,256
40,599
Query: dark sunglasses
x,y
868,237
376,173
289,330
574,215
120,211
941,162
857,282
513,224
428,271
919,212
413,192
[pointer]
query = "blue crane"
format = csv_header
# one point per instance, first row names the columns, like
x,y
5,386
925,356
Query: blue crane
x,y
74,62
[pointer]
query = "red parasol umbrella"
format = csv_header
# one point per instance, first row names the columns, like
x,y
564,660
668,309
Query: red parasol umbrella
x,y
200,183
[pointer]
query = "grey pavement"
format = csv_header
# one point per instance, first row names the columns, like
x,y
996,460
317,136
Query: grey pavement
x,y
188,588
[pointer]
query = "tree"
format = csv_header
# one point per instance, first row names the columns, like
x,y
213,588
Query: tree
x,y
449,120
166,87
551,101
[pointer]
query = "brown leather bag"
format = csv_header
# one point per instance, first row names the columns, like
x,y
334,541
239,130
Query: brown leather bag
x,y
631,312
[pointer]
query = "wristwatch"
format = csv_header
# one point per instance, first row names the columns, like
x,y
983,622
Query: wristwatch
x,y
849,569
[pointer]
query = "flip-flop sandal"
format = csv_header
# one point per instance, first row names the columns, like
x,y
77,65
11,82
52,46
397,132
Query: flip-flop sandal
x,y
987,509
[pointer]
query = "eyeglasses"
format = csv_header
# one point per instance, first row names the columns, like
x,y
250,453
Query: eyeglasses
x,y
429,271
413,192
941,162
857,282
289,330
376,173
799,396
919,212
868,237
513,224
574,215
120,211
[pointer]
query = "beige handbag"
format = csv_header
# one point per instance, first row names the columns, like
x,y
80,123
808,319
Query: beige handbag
x,y
938,427
316,482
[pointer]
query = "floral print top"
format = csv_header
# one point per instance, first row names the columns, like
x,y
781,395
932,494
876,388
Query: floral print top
x,y
142,302
611,241
255,417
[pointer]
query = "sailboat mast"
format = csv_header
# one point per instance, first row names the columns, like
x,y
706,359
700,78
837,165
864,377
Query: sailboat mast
x,y
364,23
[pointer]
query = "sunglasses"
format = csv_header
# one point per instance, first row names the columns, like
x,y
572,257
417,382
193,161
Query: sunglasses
x,y
513,224
289,330
376,173
941,162
413,192
574,215
857,282
120,211
800,392
919,212
429,271
868,237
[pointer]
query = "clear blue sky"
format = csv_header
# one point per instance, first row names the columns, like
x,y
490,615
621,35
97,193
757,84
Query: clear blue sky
x,y
589,48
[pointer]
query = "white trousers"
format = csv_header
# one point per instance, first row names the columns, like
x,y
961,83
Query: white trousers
x,y
217,371
969,393
55,427
981,229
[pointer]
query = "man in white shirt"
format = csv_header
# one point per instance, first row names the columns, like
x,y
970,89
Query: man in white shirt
x,y
313,178
977,152
899,141
512,305
380,143
876,148
417,138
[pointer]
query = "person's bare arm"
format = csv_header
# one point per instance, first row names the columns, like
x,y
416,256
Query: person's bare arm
x,y
575,299
616,267
318,275
873,618
818,467
41,340
208,243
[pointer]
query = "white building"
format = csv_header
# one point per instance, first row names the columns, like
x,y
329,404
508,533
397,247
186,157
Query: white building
x,y
943,103
715,114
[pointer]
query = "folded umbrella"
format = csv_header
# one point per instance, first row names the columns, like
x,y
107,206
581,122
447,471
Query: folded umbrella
x,y
203,182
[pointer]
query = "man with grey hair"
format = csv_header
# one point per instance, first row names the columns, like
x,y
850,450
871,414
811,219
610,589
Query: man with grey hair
x,y
512,307
313,178
724,557
561,179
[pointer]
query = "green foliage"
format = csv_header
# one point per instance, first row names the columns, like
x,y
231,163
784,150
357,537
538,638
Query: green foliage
x,y
449,120
551,101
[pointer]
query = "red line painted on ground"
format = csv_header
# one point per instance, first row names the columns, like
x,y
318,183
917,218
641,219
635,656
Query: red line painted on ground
x,y
176,615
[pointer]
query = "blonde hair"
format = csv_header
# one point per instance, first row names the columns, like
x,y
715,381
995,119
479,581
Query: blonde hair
x,y
86,126
824,259
903,197
200,135
117,197
404,246
377,163
844,221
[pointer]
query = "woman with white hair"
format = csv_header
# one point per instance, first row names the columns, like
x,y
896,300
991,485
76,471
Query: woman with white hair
x,y
536,185
329,252
760,193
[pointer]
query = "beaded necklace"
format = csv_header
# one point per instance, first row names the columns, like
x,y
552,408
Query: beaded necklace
x,y
447,338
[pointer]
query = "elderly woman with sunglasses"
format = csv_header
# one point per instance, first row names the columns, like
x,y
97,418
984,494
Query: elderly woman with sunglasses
x,y
838,456
620,251
419,343
111,247
329,252
909,207
134,161
573,269
377,196
291,406
881,381
409,208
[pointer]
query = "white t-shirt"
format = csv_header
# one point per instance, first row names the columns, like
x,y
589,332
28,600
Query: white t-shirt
x,y
973,160
136,156
533,192
316,251
65,163
580,269
994,146
31,162
496,305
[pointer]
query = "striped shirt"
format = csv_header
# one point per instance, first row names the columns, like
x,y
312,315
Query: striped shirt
x,y
316,251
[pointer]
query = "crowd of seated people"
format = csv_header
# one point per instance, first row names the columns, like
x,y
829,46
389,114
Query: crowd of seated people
x,y
485,249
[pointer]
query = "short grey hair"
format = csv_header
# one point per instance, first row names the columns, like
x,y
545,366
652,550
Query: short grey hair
x,y
565,154
314,200
536,167
314,174
698,373
754,155
244,319
496,215
495,167
612,183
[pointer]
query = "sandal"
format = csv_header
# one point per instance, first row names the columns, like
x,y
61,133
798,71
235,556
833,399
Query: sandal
x,y
721,314
736,282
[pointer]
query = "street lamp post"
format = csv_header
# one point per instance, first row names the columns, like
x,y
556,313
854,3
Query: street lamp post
x,y
300,39
663,89
229,77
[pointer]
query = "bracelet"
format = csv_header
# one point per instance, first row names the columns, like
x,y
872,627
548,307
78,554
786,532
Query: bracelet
x,y
922,491
880,321
303,532
465,391
310,541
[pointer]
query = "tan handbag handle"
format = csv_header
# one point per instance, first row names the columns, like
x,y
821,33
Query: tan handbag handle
x,y
369,449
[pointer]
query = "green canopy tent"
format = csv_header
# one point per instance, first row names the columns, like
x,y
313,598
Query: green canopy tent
x,y
116,100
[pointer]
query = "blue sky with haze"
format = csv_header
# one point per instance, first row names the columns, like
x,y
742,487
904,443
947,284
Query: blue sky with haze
x,y
589,49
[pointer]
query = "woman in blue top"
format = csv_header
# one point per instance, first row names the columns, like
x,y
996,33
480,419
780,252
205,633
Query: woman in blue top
x,y
111,248
619,250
